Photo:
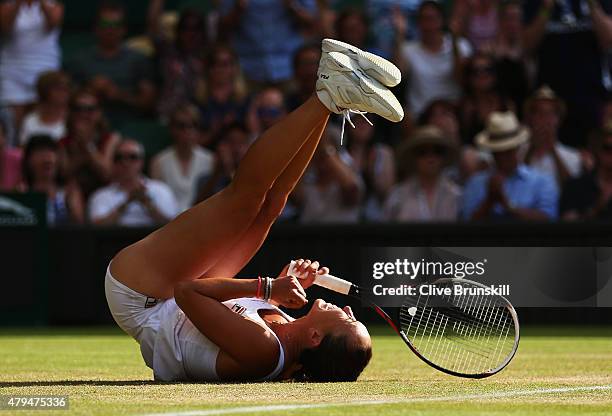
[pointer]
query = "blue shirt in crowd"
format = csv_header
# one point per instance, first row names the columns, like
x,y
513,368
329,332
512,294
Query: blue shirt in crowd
x,y
526,188
266,38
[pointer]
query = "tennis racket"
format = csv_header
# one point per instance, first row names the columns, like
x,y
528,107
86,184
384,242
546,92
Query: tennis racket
x,y
462,334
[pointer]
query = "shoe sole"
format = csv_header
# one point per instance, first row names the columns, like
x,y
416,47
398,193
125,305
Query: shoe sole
x,y
371,87
373,65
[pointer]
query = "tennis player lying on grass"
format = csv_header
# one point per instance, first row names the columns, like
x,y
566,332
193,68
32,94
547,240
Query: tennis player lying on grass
x,y
173,291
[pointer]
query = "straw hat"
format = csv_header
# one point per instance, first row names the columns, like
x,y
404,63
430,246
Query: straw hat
x,y
503,132
544,93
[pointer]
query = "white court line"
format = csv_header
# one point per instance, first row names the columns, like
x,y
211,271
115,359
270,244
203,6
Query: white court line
x,y
274,408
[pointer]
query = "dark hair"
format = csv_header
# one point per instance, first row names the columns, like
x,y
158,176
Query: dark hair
x,y
302,49
35,143
431,3
469,70
226,130
109,5
350,12
425,117
48,80
335,359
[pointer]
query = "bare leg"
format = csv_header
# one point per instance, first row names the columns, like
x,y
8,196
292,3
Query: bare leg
x,y
249,243
197,239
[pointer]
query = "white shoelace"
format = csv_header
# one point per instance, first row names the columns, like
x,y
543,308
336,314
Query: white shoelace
x,y
346,116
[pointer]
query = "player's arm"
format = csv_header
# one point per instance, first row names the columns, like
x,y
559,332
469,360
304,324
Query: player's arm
x,y
201,301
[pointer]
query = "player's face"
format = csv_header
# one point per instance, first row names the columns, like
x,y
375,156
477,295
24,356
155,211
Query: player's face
x,y
331,319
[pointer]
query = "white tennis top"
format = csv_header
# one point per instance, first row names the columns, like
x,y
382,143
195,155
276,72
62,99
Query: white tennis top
x,y
182,352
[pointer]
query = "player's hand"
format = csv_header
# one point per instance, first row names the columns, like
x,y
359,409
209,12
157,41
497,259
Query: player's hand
x,y
306,271
288,292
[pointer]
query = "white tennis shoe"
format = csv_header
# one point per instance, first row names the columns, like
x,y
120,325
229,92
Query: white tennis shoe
x,y
343,87
376,67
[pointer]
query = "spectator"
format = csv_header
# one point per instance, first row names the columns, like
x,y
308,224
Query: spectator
x,y
87,151
568,38
589,196
375,162
352,27
513,66
49,116
305,66
444,115
231,146
266,34
30,46
433,63
224,92
510,190
544,112
6,119
10,163
332,191
131,199
184,162
41,174
181,60
482,95
477,20
425,193
122,78
266,109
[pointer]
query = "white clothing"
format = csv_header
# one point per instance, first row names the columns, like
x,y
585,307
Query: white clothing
x,y
33,125
431,74
166,167
325,205
107,199
570,157
170,344
25,53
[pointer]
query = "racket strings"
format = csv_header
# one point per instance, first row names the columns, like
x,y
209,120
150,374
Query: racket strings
x,y
467,334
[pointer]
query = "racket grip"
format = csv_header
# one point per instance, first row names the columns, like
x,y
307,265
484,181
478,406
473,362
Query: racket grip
x,y
327,281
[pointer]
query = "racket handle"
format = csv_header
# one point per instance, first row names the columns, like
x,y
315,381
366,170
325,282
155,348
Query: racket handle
x,y
327,281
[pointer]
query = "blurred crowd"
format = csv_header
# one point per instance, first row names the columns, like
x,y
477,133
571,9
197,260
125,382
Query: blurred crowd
x,y
508,108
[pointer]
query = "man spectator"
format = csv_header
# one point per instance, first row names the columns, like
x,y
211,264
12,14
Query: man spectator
x,y
510,190
590,195
543,113
121,77
568,37
266,109
132,199
266,34
180,165
305,65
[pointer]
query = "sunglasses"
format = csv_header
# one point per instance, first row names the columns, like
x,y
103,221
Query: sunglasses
x,y
184,126
84,108
130,157
431,150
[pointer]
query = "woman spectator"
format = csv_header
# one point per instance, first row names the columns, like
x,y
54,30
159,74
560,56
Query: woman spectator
x,y
181,60
477,20
184,162
30,45
332,191
224,92
10,163
513,66
352,27
376,164
87,151
41,174
425,194
434,62
482,95
49,116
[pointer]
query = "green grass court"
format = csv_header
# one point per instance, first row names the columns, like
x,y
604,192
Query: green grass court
x,y
557,371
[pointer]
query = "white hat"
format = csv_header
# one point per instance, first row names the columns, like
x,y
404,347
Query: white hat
x,y
503,132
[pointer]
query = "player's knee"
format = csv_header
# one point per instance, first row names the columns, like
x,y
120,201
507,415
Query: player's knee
x,y
273,205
